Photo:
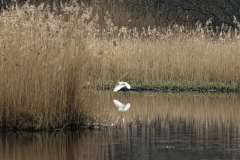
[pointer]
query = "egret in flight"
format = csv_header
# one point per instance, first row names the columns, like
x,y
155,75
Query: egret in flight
x,y
121,85
121,107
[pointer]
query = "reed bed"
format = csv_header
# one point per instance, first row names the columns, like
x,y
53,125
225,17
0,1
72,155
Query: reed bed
x,y
172,64
42,63
47,59
173,57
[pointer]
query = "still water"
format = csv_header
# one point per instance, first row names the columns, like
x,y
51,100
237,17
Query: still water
x,y
166,126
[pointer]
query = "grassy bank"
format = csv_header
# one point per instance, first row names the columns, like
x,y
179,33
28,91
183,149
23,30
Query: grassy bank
x,y
47,59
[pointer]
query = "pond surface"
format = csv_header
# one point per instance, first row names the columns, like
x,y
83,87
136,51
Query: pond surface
x,y
153,126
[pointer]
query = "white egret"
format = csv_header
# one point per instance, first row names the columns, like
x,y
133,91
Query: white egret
x,y
121,107
121,85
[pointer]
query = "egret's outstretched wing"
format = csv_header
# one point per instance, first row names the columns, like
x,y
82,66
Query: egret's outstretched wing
x,y
121,85
118,104
121,82
127,107
127,85
118,87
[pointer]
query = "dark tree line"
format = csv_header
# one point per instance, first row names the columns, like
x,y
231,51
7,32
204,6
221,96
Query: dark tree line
x,y
158,12
221,11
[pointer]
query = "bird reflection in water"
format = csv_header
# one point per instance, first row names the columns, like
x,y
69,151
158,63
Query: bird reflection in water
x,y
120,106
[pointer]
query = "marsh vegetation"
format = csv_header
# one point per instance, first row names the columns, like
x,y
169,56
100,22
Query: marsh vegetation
x,y
47,59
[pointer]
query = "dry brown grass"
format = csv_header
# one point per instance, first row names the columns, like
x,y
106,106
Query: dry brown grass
x,y
192,63
42,58
176,56
46,59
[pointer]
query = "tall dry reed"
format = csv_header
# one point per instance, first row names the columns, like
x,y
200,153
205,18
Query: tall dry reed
x,y
188,63
42,63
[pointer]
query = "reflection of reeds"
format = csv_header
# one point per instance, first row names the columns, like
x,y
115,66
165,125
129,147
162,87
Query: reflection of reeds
x,y
159,108
200,115
129,141
193,109
56,146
